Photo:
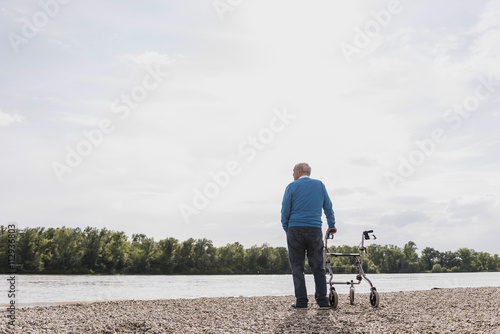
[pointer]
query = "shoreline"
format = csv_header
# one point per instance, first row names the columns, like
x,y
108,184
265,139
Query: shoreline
x,y
247,274
457,310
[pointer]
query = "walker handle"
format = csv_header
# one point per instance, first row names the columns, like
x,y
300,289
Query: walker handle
x,y
367,234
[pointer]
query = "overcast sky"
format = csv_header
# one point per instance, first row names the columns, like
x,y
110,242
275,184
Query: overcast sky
x,y
185,118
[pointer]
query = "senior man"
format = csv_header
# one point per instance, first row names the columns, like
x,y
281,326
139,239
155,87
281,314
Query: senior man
x,y
301,212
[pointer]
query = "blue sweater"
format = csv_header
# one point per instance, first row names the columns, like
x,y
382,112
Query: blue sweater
x,y
302,204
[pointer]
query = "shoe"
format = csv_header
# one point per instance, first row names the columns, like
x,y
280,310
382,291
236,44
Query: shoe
x,y
325,307
298,307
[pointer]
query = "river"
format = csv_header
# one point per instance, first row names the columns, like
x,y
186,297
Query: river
x,y
32,290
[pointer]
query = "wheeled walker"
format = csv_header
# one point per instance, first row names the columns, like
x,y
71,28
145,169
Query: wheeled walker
x,y
334,298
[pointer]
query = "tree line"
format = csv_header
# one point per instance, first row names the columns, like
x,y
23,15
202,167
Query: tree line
x,y
100,251
393,259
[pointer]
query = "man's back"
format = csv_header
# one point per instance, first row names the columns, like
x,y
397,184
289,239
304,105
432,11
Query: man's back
x,y
303,203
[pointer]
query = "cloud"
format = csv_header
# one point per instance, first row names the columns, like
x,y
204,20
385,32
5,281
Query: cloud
x,y
59,43
84,120
8,119
483,208
402,218
488,19
149,58
485,50
363,161
354,190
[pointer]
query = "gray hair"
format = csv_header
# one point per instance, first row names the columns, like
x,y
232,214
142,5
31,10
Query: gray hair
x,y
304,167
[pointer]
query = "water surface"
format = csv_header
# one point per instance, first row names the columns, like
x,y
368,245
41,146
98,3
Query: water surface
x,y
53,289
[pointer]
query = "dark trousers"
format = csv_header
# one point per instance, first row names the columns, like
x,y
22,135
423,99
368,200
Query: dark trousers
x,y
304,240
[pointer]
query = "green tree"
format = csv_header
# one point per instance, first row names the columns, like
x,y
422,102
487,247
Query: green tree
x,y
266,259
117,253
65,246
388,259
394,259
411,263
143,254
251,256
496,262
93,249
437,268
30,249
466,258
429,257
204,256
369,267
448,260
484,261
4,247
184,258
374,253
230,258
282,263
165,260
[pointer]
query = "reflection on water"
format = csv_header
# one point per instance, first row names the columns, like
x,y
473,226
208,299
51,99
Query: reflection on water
x,y
50,289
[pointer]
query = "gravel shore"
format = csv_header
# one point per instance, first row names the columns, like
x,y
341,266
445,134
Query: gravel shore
x,y
461,310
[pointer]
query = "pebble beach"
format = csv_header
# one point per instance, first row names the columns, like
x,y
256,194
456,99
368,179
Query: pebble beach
x,y
460,310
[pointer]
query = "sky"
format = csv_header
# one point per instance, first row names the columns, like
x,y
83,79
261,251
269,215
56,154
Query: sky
x,y
185,118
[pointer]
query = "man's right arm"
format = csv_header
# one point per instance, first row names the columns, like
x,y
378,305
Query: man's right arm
x,y
328,209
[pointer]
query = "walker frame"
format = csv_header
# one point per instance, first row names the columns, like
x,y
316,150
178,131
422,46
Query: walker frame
x,y
333,296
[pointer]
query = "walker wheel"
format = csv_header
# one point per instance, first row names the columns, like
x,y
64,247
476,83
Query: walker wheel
x,y
334,298
374,298
351,295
